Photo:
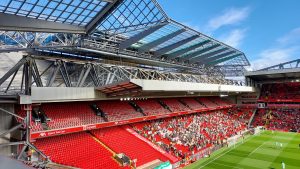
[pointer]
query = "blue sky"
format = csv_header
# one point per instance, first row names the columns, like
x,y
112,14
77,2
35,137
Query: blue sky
x,y
268,31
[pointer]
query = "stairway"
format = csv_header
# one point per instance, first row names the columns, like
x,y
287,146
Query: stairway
x,y
252,117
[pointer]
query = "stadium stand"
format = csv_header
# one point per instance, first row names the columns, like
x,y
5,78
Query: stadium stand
x,y
85,82
35,126
281,91
151,107
218,101
284,119
192,103
69,115
175,105
77,150
72,114
186,135
207,102
118,110
121,141
241,114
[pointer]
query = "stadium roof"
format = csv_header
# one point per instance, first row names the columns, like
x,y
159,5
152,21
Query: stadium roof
x,y
283,72
135,27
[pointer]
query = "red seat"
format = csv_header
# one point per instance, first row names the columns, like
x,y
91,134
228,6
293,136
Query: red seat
x,y
175,105
118,110
151,107
121,141
77,150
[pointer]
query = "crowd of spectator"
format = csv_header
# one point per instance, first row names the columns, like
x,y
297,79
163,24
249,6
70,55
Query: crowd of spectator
x,y
183,136
279,119
281,91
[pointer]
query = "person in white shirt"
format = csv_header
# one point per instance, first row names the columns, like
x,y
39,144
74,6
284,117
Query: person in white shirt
x,y
283,165
276,144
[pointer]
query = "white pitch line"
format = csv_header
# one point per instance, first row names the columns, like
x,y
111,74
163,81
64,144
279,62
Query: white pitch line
x,y
257,148
230,149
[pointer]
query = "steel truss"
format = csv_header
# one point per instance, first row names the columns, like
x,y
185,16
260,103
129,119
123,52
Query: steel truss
x,y
26,141
136,28
64,72
232,71
13,41
286,65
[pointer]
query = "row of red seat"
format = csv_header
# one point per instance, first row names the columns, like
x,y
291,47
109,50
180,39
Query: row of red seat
x,y
82,150
121,141
281,91
151,107
77,150
71,114
175,105
278,119
193,103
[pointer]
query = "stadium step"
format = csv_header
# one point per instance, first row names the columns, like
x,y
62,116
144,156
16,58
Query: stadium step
x,y
252,117
102,144
105,146
169,156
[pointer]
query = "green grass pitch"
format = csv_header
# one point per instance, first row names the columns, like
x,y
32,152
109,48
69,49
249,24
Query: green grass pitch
x,y
256,152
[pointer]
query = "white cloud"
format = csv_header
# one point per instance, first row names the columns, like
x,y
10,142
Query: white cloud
x,y
234,38
273,56
228,17
293,37
286,49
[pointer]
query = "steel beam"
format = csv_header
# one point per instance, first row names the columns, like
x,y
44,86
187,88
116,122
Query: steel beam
x,y
15,68
185,50
64,77
199,52
22,152
37,73
289,62
10,130
28,76
37,150
81,75
223,60
173,46
12,143
67,74
9,22
86,73
107,10
159,41
207,55
11,80
125,44
217,57
53,75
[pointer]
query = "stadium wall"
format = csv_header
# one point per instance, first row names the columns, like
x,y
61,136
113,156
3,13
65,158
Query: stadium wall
x,y
64,94
159,85
59,94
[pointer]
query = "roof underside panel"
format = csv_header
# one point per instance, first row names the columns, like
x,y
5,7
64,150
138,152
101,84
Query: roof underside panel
x,y
166,30
75,12
233,60
139,26
132,15
195,51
